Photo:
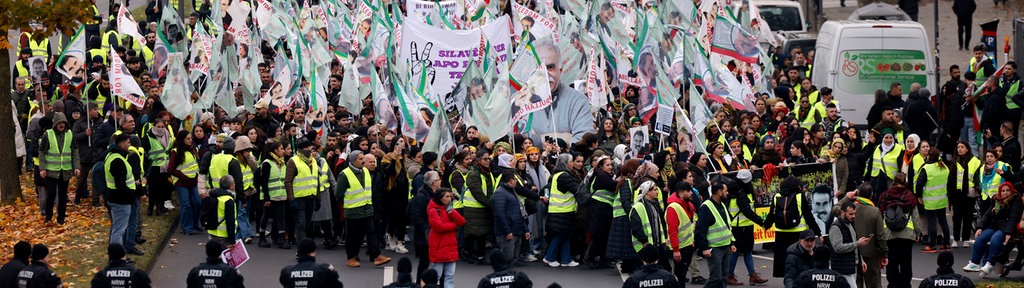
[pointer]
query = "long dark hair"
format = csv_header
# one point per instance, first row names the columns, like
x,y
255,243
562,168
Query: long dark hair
x,y
180,147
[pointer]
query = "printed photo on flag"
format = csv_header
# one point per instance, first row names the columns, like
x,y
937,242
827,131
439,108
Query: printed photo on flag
x,y
71,63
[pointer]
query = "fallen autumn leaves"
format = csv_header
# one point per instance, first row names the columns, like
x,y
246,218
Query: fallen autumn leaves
x,y
77,248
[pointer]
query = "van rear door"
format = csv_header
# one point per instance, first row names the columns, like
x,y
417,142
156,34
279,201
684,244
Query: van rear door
x,y
872,58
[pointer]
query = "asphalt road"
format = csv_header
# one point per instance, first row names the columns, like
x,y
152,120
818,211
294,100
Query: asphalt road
x,y
263,269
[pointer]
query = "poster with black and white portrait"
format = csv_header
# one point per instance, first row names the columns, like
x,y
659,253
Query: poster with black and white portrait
x,y
638,140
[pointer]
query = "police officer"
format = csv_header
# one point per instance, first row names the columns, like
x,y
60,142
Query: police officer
x,y
119,273
503,276
944,275
307,273
214,272
821,276
651,274
38,274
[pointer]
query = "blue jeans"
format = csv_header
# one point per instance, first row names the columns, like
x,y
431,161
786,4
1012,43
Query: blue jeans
x,y
447,272
188,199
133,226
993,239
120,214
559,248
748,259
242,222
967,134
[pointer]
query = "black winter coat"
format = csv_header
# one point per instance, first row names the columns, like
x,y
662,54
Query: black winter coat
x,y
563,222
417,212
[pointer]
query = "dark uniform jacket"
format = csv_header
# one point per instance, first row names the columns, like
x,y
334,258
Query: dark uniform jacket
x,y
946,278
651,275
821,278
214,272
307,273
120,274
505,278
38,275
9,272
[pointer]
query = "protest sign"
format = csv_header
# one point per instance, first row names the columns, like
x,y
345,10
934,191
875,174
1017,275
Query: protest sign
x,y
445,54
236,255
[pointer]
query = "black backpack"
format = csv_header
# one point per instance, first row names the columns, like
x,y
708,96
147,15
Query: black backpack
x,y
583,192
895,219
208,212
787,212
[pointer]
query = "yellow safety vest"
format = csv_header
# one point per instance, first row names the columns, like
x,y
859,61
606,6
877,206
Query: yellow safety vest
x,y
560,201
799,206
218,168
247,176
991,187
157,153
808,121
617,209
967,174
887,164
685,230
358,194
39,48
188,165
95,13
58,156
935,187
129,178
471,202
738,219
603,196
1014,87
275,181
24,72
305,182
325,171
98,52
719,233
106,45
980,74
457,203
641,211
222,228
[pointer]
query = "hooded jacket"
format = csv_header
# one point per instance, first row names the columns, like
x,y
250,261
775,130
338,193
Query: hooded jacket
x,y
443,240
44,146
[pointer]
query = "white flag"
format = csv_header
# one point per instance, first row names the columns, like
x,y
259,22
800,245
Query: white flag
x,y
126,25
122,84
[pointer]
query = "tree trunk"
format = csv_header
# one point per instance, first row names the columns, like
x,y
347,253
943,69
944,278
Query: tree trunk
x,y
10,183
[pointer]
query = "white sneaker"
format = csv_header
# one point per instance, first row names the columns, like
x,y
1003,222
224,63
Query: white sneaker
x,y
530,258
986,269
552,263
400,249
971,267
968,243
954,244
168,205
391,243
571,264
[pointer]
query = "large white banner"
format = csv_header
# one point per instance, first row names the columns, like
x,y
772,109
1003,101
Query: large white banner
x,y
445,54
122,84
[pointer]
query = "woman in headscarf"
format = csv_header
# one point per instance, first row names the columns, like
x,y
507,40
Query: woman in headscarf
x,y
767,154
884,163
718,161
739,158
645,172
963,199
619,156
995,227
620,246
836,154
900,239
911,159
562,211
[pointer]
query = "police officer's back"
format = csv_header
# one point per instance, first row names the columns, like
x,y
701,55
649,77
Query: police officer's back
x,y
119,273
821,276
214,271
503,276
38,274
9,271
945,277
308,273
651,274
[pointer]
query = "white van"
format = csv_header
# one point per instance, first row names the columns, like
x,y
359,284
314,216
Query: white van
x,y
782,15
855,58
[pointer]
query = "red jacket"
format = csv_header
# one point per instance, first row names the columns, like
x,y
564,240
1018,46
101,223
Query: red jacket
x,y
672,222
443,241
